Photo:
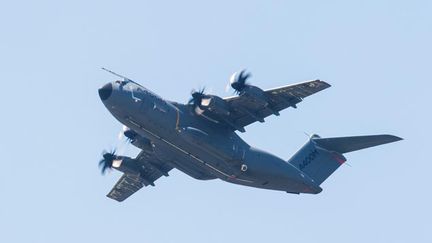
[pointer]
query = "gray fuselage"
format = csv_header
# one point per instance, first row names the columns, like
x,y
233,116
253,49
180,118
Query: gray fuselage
x,y
198,146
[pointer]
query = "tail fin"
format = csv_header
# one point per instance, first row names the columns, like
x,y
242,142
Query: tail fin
x,y
320,157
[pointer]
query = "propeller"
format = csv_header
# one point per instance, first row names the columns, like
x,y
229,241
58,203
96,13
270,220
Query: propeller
x,y
125,137
238,81
107,161
196,99
122,132
130,135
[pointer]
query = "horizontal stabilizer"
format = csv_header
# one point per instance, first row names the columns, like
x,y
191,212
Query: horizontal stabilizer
x,y
348,144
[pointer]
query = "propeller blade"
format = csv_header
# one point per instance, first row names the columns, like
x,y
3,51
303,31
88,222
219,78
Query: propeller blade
x,y
196,99
227,87
238,81
233,78
107,160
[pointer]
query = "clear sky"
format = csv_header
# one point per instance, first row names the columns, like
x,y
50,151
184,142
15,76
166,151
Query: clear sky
x,y
376,55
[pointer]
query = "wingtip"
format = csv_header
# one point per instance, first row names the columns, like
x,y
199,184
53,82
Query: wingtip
x,y
394,138
388,138
324,83
327,84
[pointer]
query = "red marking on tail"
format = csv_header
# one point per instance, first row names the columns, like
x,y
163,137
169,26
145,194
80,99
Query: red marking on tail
x,y
339,159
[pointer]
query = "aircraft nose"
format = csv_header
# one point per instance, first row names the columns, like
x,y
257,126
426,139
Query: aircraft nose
x,y
105,91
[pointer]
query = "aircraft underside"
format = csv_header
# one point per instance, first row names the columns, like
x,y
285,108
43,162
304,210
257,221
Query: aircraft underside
x,y
199,138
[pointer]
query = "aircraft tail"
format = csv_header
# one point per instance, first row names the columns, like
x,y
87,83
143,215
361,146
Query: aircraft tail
x,y
320,157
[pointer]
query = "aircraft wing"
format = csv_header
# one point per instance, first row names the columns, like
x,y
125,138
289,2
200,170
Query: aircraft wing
x,y
244,111
128,184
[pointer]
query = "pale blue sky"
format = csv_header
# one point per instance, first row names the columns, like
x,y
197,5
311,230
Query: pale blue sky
x,y
376,54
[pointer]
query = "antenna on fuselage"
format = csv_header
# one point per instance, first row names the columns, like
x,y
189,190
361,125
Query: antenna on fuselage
x,y
125,79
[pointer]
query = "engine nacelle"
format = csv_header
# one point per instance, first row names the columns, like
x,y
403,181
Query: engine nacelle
x,y
126,165
138,141
255,95
215,104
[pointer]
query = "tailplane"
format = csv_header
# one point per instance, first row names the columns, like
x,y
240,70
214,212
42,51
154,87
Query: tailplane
x,y
320,157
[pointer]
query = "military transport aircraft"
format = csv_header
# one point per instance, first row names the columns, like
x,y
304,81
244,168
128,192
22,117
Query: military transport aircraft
x,y
199,138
